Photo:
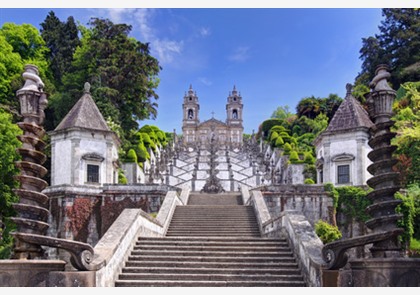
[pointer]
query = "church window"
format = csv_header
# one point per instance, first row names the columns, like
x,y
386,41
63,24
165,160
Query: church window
x,y
190,114
235,114
343,174
93,173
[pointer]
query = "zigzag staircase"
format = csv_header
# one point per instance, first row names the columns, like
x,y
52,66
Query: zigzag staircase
x,y
214,241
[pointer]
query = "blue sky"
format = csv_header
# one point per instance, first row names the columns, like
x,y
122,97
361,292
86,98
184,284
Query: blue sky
x,y
274,56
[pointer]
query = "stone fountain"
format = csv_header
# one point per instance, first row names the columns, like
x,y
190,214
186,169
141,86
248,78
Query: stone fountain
x,y
386,266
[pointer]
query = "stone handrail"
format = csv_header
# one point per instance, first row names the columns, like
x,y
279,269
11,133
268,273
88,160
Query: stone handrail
x,y
185,194
301,236
115,246
335,254
245,194
260,208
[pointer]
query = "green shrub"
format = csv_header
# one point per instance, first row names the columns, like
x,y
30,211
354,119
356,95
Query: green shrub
x,y
294,158
309,181
131,156
332,192
142,154
308,158
121,177
287,148
327,232
353,201
273,136
279,142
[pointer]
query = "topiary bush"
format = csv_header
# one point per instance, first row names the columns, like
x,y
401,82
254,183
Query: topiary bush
x,y
326,232
131,156
294,157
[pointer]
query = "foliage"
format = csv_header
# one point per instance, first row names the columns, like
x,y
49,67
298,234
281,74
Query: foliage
x,y
332,192
414,250
309,158
407,125
131,156
265,127
326,232
397,45
410,208
352,202
309,181
311,107
407,209
20,45
121,71
62,39
294,157
283,113
309,172
8,157
121,177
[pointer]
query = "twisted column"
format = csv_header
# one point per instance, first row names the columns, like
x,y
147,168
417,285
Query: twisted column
x,y
385,181
32,215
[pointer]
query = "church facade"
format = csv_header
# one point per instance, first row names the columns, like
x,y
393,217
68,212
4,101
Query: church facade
x,y
225,133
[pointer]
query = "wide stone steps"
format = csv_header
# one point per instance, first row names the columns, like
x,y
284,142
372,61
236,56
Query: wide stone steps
x,y
210,262
210,245
208,199
286,264
207,283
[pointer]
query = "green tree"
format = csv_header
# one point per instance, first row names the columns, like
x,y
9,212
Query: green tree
x,y
397,45
20,45
121,71
309,107
11,67
283,113
8,156
62,39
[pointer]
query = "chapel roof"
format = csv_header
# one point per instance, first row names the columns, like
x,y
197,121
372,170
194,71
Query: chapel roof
x,y
84,114
213,122
349,115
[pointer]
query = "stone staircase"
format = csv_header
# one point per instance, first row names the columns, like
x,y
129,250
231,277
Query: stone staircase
x,y
214,241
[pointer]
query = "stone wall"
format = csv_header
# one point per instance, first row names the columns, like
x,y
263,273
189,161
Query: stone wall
x,y
311,200
84,213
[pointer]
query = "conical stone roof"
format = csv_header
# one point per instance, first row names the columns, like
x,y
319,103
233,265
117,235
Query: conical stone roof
x,y
349,116
84,114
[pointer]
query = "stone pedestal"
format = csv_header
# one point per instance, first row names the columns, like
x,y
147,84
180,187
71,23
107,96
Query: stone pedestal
x,y
381,272
42,273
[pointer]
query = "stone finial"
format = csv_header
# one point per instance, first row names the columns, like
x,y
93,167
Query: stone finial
x,y
349,89
32,81
86,88
380,81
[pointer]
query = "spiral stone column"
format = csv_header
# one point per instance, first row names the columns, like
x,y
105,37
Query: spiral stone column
x,y
385,182
32,215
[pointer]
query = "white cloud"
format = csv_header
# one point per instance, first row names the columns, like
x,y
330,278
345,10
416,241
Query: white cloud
x,y
205,81
119,15
142,21
166,49
204,31
240,54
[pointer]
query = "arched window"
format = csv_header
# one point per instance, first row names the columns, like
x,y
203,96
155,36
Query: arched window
x,y
235,114
190,114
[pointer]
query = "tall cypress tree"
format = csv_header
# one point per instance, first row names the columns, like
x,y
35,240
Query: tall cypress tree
x,y
62,39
